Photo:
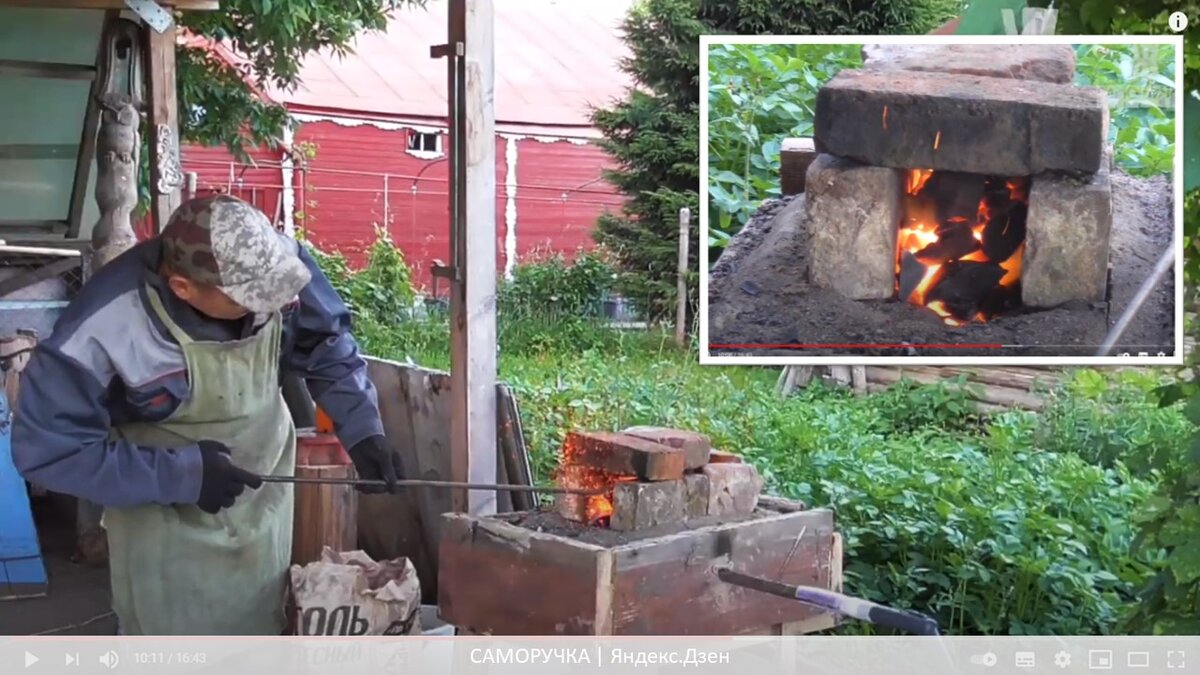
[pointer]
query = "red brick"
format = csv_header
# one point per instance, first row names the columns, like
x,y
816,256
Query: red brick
x,y
624,455
974,124
722,457
733,489
695,446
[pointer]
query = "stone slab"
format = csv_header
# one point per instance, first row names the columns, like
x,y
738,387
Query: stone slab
x,y
640,506
623,455
695,446
1067,237
795,156
966,123
733,488
1041,63
696,489
853,211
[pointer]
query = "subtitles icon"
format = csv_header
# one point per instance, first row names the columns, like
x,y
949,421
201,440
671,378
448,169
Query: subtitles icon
x,y
1026,660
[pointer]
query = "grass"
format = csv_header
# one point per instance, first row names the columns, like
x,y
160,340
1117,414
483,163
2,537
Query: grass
x,y
1018,523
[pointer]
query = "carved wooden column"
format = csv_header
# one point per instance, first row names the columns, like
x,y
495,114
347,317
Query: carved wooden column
x,y
166,174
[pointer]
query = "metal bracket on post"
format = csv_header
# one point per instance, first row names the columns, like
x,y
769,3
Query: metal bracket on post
x,y
152,13
442,51
445,272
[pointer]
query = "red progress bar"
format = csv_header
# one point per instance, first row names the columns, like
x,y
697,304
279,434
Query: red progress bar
x,y
857,346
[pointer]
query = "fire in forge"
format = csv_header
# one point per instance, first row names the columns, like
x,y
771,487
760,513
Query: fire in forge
x,y
954,201
641,555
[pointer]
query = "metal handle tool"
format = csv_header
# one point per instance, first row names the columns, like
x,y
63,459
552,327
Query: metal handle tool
x,y
864,610
445,484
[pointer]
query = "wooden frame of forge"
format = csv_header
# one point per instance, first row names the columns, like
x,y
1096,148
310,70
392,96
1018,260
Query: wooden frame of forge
x,y
499,578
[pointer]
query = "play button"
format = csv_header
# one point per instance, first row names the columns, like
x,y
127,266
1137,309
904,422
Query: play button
x,y
30,659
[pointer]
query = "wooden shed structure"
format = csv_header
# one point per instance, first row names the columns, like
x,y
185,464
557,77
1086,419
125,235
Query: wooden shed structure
x,y
84,82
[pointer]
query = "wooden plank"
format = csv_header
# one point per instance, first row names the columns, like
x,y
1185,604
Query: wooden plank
x,y
502,579
86,152
512,443
163,124
825,621
183,5
54,269
325,515
667,586
473,246
404,524
19,151
997,397
39,226
43,69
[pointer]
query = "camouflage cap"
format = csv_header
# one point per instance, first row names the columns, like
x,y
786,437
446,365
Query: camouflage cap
x,y
225,242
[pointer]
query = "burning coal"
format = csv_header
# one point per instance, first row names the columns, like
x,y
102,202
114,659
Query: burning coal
x,y
960,244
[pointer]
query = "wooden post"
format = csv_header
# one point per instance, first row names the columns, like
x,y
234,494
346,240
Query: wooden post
x,y
166,176
685,223
473,249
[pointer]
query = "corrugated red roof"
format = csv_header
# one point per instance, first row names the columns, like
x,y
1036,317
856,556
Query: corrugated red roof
x,y
554,59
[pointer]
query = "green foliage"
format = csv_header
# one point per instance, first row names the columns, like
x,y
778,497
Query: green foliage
x,y
1171,601
1140,81
653,133
380,293
943,511
274,36
759,95
552,305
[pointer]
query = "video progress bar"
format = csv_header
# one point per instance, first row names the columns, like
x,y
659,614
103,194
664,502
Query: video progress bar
x,y
851,345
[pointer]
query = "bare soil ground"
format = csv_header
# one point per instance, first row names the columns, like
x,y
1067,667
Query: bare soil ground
x,y
759,295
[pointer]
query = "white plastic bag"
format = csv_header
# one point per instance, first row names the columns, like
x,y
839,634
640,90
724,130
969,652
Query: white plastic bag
x,y
351,594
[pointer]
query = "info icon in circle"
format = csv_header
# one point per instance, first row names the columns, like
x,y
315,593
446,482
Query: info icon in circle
x,y
1178,21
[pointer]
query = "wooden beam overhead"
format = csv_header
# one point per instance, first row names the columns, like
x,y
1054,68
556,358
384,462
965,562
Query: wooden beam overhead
x,y
57,71
12,151
183,5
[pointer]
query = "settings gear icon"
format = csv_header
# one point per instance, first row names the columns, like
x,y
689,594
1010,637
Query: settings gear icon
x,y
1062,659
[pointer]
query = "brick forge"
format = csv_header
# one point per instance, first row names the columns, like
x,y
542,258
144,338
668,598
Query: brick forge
x,y
969,179
659,477
678,512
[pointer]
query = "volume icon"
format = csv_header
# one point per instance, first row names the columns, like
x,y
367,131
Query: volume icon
x,y
110,659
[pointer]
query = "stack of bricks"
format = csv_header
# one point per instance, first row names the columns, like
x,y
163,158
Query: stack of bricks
x,y
659,476
1009,111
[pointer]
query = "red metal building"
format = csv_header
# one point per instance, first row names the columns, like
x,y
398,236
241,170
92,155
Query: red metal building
x,y
373,125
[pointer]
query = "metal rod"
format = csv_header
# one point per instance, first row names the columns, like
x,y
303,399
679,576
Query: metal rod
x,y
433,484
857,608
1164,264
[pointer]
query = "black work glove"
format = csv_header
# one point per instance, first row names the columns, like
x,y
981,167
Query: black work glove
x,y
222,482
374,459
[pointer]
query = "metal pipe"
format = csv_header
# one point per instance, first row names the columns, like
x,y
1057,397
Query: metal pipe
x,y
446,484
1164,264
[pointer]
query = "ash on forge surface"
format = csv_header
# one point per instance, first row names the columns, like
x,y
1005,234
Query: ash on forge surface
x,y
759,295
552,523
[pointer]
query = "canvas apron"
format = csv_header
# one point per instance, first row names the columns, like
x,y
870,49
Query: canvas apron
x,y
177,570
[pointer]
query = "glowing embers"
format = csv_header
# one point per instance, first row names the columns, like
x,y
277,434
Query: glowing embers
x,y
960,244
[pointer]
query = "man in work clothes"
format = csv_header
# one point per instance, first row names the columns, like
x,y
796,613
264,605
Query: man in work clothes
x,y
158,397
